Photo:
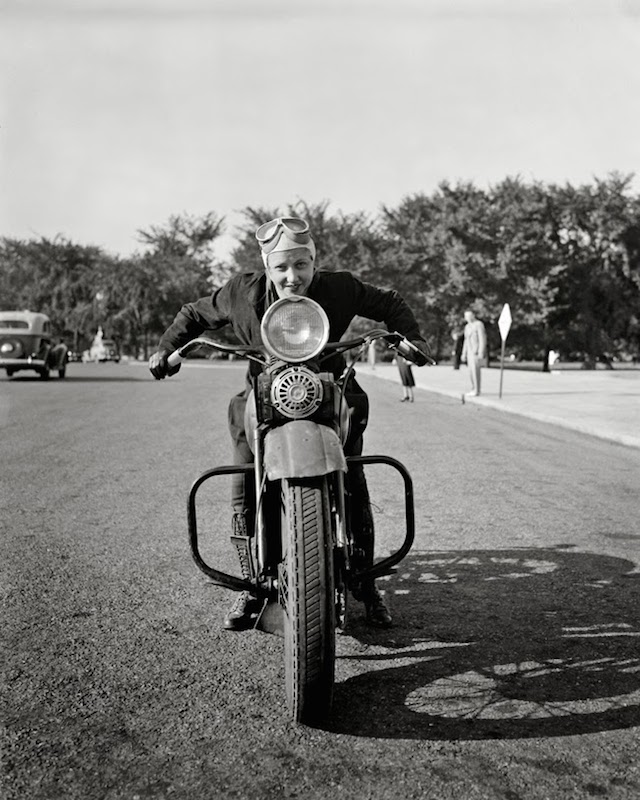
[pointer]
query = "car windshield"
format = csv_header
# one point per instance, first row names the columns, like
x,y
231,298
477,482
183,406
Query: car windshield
x,y
14,323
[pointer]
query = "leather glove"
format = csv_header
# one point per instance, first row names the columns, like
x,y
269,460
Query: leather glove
x,y
418,356
422,357
158,365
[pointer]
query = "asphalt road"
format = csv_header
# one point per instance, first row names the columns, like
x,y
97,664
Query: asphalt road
x,y
512,671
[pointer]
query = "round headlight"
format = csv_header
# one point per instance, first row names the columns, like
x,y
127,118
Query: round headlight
x,y
295,329
11,348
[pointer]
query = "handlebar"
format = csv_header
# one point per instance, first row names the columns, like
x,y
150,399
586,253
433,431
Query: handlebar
x,y
395,341
179,355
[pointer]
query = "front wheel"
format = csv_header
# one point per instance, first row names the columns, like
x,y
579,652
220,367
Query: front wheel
x,y
307,592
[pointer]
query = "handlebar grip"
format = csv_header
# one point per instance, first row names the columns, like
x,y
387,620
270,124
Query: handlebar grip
x,y
409,351
175,359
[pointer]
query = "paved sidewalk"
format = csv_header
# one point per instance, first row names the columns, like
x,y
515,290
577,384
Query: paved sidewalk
x,y
603,403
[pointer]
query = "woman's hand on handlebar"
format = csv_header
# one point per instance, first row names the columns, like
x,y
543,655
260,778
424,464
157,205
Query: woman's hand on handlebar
x,y
159,367
417,354
417,351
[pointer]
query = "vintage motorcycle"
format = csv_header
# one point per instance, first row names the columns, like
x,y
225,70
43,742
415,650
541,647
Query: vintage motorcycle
x,y
301,556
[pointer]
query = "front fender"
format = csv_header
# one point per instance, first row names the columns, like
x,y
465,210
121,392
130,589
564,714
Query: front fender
x,y
302,449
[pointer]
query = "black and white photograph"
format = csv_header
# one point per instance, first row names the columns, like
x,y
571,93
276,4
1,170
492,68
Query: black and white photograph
x,y
234,236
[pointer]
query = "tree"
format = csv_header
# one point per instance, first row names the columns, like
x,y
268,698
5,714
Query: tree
x,y
185,236
56,277
179,265
440,253
566,259
597,278
464,247
525,264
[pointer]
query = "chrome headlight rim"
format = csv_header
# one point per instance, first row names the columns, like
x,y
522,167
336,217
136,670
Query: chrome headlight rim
x,y
274,308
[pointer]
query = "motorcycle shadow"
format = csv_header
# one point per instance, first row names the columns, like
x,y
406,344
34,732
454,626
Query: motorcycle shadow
x,y
496,644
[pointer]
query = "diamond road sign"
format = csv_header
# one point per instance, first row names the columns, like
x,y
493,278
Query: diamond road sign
x,y
504,321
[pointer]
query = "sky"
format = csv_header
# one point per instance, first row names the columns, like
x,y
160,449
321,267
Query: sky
x,y
117,114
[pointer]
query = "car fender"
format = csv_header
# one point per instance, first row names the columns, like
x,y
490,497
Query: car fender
x,y
302,449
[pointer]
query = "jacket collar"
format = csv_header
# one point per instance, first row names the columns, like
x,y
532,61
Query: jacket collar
x,y
257,292
256,296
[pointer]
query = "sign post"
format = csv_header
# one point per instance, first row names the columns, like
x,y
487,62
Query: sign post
x,y
504,323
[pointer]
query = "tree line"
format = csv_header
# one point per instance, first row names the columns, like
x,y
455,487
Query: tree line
x,y
566,258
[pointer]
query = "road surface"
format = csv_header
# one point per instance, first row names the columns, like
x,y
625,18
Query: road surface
x,y
512,671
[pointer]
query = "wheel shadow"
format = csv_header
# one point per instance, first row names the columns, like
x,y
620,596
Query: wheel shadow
x,y
498,644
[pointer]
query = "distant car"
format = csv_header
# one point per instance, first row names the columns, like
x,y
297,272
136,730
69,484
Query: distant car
x,y
102,350
26,342
111,352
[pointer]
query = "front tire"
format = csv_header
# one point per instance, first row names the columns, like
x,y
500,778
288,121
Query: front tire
x,y
307,592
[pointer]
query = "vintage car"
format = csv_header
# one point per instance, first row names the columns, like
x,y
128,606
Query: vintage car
x,y
26,342
102,349
109,351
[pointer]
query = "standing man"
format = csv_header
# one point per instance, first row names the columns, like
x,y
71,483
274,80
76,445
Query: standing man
x,y
474,350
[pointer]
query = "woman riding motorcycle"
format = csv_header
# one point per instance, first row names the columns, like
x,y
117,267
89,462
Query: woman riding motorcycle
x,y
290,269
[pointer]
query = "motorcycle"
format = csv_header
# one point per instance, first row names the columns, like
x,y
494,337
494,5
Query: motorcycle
x,y
301,556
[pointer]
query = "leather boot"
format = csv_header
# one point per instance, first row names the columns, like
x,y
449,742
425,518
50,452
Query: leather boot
x,y
243,612
377,613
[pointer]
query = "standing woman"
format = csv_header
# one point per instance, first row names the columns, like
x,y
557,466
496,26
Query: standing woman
x,y
406,378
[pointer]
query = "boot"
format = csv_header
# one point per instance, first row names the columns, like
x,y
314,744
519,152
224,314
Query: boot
x,y
377,613
243,612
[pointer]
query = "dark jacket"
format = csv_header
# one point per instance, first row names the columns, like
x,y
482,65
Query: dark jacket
x,y
241,303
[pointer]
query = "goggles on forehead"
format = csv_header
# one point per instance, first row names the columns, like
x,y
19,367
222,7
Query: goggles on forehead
x,y
296,230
